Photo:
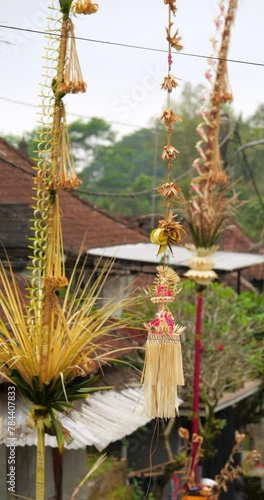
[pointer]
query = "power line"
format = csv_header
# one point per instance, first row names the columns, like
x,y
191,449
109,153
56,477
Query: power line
x,y
94,193
78,115
131,46
14,101
7,43
23,103
132,194
241,149
116,195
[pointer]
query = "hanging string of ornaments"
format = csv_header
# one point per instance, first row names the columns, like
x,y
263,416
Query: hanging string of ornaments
x,y
163,371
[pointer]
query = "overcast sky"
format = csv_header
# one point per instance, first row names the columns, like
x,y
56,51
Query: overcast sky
x,y
124,83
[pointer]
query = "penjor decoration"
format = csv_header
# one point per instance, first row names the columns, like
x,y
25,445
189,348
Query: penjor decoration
x,y
210,206
48,342
163,372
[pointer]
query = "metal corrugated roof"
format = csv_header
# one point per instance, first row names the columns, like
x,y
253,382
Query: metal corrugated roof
x,y
228,398
105,417
147,253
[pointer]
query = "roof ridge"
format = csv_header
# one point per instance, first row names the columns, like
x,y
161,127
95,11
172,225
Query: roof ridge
x,y
110,215
16,150
12,157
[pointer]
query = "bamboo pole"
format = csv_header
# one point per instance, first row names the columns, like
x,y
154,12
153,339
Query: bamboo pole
x,y
40,466
49,303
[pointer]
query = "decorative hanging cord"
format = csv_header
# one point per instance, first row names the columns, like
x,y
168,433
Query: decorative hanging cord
x,y
163,371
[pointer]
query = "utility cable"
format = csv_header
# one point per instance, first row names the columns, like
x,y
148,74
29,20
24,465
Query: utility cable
x,y
133,194
94,193
131,46
77,115
241,150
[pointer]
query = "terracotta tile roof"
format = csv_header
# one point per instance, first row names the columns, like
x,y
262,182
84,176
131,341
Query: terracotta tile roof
x,y
80,219
235,240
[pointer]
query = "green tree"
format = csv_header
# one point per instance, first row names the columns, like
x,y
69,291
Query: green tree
x,y
85,136
133,163
245,153
119,167
231,354
123,167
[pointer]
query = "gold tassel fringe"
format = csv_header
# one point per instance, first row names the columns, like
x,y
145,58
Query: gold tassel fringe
x,y
162,374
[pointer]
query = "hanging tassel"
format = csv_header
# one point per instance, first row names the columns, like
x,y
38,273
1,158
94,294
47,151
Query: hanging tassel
x,y
65,176
55,276
72,79
163,371
162,374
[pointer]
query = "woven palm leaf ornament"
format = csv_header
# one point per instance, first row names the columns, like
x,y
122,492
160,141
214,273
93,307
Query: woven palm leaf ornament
x,y
163,371
46,342
210,205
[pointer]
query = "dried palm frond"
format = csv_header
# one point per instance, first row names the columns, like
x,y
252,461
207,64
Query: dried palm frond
x,y
174,40
45,343
75,328
172,5
72,80
208,212
95,466
169,190
163,370
167,234
169,153
65,176
169,117
211,203
170,82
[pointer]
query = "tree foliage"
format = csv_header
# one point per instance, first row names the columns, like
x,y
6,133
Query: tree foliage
x,y
231,352
231,349
132,166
